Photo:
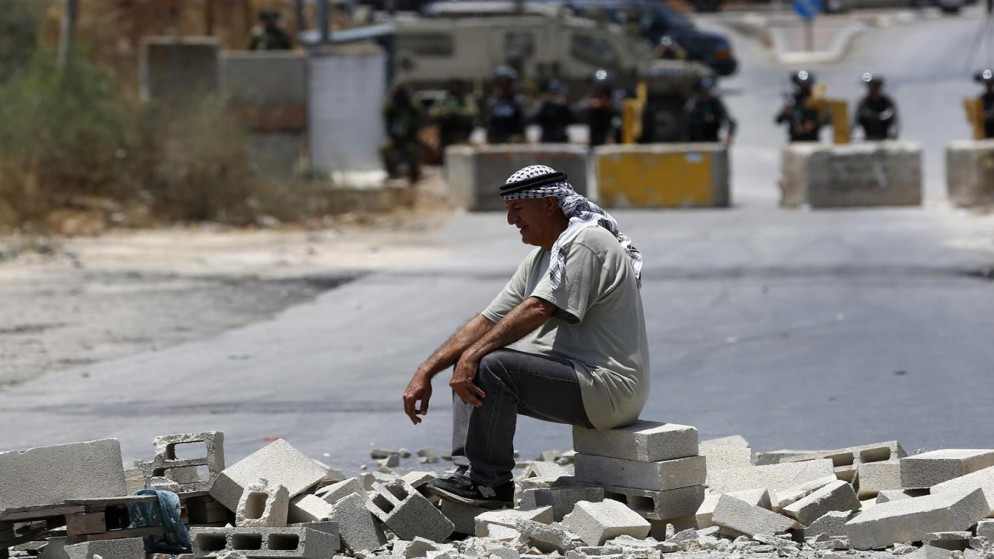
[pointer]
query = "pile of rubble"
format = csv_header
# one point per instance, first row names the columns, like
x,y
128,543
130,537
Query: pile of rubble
x,y
640,492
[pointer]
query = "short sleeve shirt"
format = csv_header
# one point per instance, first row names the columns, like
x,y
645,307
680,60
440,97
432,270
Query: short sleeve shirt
x,y
598,326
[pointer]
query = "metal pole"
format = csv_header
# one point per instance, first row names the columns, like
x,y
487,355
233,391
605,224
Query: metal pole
x,y
67,33
324,21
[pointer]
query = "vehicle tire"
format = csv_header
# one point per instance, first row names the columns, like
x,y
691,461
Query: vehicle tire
x,y
663,120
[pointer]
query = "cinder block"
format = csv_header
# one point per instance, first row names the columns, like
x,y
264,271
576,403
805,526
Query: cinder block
x,y
659,505
50,475
723,457
265,543
561,499
407,513
754,497
731,440
932,468
836,496
831,525
791,495
332,493
874,477
125,548
358,528
981,479
463,517
508,518
643,441
474,173
418,480
743,518
953,541
970,173
594,523
546,537
909,520
985,529
309,508
775,477
868,174
278,462
263,505
852,455
663,176
655,476
184,471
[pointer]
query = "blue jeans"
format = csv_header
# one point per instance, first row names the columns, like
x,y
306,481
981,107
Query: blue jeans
x,y
515,383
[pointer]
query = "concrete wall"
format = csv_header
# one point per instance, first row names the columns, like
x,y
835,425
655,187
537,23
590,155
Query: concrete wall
x,y
178,69
346,91
663,176
867,174
475,173
970,173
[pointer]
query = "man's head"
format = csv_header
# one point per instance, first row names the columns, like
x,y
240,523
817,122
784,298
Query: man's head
x,y
540,221
874,83
985,77
804,82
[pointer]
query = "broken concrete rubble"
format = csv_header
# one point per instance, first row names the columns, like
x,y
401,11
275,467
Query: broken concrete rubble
x,y
933,468
594,523
50,475
263,505
277,462
167,463
742,518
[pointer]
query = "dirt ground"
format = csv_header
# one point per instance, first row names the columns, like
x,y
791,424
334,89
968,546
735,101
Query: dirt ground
x,y
68,302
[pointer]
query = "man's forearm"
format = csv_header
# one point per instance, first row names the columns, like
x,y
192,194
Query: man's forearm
x,y
522,320
447,355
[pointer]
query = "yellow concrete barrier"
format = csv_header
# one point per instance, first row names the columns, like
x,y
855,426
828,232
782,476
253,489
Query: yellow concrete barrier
x,y
663,176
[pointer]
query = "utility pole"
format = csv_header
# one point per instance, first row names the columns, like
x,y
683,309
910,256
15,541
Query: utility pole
x,y
324,21
67,32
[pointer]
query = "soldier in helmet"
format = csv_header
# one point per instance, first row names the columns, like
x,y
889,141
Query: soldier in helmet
x,y
706,115
505,113
268,35
876,113
601,109
402,118
803,121
986,77
456,115
554,115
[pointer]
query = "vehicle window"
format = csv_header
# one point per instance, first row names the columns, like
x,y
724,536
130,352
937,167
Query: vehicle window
x,y
592,50
520,42
426,44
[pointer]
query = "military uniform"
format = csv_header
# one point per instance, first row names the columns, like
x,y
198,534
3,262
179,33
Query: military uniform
x,y
554,116
269,38
403,119
803,121
987,103
705,118
505,119
877,116
456,116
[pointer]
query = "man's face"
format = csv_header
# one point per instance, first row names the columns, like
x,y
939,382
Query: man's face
x,y
534,219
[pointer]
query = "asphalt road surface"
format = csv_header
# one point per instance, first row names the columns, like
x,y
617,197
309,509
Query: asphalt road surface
x,y
794,329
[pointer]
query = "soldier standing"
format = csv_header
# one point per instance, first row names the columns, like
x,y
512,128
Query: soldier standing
x,y
876,113
456,115
402,118
986,77
505,114
707,115
803,121
554,115
268,35
601,109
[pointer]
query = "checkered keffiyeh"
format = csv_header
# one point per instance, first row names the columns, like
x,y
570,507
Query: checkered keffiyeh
x,y
580,211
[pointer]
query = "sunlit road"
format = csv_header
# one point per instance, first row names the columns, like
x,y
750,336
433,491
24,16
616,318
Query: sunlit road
x,y
795,329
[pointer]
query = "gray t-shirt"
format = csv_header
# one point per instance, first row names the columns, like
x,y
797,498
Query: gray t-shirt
x,y
598,326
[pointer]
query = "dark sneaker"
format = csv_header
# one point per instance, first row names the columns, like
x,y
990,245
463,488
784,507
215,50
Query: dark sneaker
x,y
461,489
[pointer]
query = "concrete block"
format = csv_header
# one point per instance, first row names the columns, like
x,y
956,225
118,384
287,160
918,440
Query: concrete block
x,y
175,70
309,508
836,496
743,518
561,499
192,460
125,548
418,547
655,476
134,480
508,518
753,497
932,468
643,441
731,440
50,475
407,513
953,541
791,495
264,78
723,457
985,529
263,505
775,477
661,529
474,173
332,493
265,543
546,537
981,479
418,480
869,174
359,530
898,494
594,523
663,176
548,470
278,462
659,505
874,477
909,520
463,516
832,524
860,454
970,173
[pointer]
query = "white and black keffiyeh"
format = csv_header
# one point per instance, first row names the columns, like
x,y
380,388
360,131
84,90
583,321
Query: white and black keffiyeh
x,y
540,181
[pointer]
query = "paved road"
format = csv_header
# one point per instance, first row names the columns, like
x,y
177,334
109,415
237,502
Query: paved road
x,y
794,329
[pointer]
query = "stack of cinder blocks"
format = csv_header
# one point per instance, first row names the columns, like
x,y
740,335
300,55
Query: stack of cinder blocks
x,y
652,467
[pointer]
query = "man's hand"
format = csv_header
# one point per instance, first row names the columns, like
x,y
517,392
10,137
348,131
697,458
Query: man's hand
x,y
418,391
462,381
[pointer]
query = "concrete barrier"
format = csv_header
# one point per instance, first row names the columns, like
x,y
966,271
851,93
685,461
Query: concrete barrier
x,y
663,176
475,173
178,70
970,173
868,174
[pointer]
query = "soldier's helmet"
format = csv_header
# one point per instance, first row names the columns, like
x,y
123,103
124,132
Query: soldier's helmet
x,y
872,80
802,78
985,76
602,77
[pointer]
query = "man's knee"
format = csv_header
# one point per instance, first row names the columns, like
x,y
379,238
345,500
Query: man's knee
x,y
492,369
